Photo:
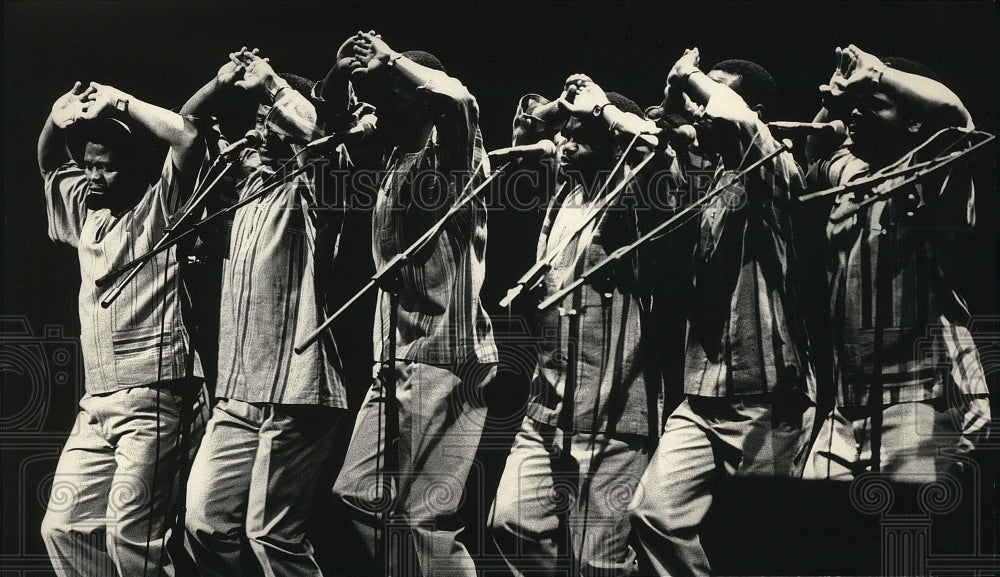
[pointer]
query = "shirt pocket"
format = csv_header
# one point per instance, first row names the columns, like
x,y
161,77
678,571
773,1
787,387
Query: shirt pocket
x,y
142,355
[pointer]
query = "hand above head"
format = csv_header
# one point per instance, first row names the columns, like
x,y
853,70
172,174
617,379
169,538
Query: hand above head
x,y
685,66
371,51
581,95
257,71
346,59
856,70
70,107
100,98
233,70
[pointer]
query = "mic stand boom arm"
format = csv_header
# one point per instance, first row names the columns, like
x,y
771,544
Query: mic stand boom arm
x,y
391,268
682,216
925,169
530,278
171,238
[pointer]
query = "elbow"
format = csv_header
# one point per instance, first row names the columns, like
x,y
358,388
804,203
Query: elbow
x,y
187,135
959,114
463,98
451,91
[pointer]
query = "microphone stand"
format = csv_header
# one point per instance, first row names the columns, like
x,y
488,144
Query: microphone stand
x,y
683,216
272,182
922,169
531,278
387,279
392,267
133,267
390,444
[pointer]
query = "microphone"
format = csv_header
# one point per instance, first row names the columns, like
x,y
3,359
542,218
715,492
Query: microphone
x,y
540,149
361,131
253,137
834,128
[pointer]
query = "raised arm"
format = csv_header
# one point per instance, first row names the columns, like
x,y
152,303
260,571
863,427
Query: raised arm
x,y
454,108
165,125
202,103
584,97
926,99
292,114
722,117
66,110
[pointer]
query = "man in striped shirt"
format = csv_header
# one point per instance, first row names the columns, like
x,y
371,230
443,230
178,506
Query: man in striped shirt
x,y
593,419
272,428
748,383
444,349
910,385
117,472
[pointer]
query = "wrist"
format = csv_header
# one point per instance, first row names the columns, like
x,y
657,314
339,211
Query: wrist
x,y
120,102
599,110
391,58
275,85
684,74
876,73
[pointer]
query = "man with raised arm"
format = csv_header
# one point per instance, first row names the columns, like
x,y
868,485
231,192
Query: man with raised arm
x,y
117,473
748,384
593,417
272,428
444,350
909,382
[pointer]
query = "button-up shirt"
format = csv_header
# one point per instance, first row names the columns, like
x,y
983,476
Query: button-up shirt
x,y
140,339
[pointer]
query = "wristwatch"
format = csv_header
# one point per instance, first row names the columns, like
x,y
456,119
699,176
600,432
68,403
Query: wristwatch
x,y
121,105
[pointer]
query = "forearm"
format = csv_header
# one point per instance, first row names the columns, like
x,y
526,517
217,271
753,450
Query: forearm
x,y
168,126
537,118
294,117
626,122
443,93
929,99
51,147
202,102
336,92
697,85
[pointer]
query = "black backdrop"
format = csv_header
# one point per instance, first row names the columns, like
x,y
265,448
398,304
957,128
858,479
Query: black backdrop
x,y
163,51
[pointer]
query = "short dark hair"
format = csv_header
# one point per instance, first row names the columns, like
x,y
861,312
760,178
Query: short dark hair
x,y
754,83
624,103
111,132
425,59
300,84
910,66
597,131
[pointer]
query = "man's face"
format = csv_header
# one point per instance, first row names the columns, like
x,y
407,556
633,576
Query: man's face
x,y
102,169
272,148
578,148
877,127
397,103
708,138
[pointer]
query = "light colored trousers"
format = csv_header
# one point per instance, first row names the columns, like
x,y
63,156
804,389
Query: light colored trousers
x,y
703,437
114,489
441,419
559,514
919,442
254,480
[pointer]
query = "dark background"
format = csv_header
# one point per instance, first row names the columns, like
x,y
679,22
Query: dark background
x,y
163,51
